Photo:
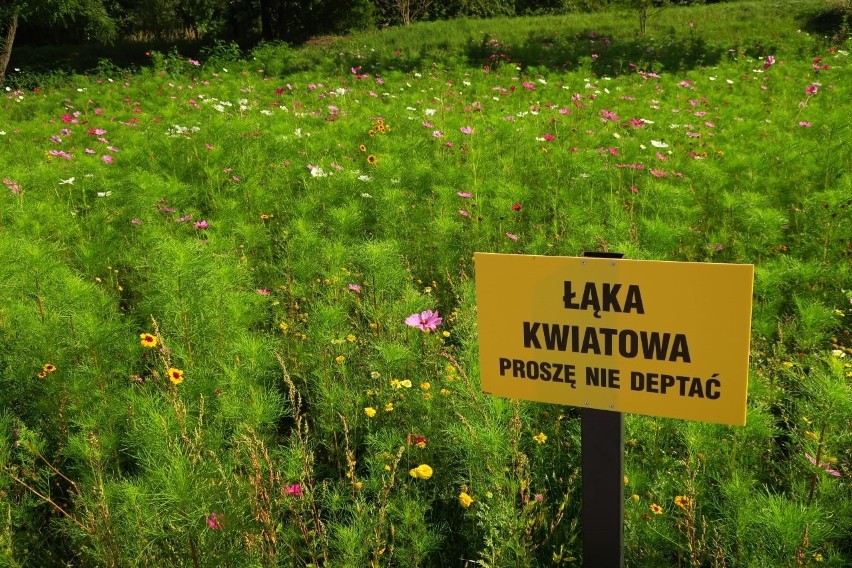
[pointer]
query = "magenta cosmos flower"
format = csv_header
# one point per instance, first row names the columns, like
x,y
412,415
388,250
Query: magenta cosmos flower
x,y
426,321
214,521
295,490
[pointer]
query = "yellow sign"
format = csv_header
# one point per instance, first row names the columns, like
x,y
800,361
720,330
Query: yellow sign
x,y
658,338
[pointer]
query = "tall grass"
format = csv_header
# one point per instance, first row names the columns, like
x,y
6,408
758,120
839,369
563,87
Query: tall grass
x,y
208,268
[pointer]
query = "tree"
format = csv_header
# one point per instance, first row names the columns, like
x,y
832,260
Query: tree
x,y
93,14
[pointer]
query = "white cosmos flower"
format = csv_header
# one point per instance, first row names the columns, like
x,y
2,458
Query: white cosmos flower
x,y
69,181
659,144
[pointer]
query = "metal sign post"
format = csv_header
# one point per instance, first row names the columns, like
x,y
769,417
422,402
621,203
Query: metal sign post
x,y
602,449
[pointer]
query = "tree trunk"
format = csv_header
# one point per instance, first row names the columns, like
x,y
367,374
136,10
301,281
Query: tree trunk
x,y
6,53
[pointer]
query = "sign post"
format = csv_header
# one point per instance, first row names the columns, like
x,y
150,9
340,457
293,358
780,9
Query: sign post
x,y
602,452
611,336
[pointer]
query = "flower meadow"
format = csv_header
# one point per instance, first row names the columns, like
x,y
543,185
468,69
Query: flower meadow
x,y
238,320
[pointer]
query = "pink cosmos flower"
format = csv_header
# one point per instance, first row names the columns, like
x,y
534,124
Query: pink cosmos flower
x,y
512,236
67,118
426,320
183,219
464,213
613,151
516,207
214,521
107,158
528,85
136,221
812,89
194,62
60,154
99,111
634,189
65,132
549,137
564,111
295,490
464,194
97,131
201,224
13,186
824,465
89,151
637,122
659,173
55,139
437,134
262,291
466,129
607,115
805,124
769,62
355,288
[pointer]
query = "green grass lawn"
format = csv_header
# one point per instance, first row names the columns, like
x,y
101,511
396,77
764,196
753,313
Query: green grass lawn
x,y
208,265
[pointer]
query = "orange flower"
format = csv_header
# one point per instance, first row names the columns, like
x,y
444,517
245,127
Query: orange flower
x,y
656,509
683,502
175,376
148,340
371,159
48,368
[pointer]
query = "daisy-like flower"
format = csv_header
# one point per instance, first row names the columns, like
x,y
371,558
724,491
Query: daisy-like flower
x,y
824,465
214,521
371,159
175,375
370,411
465,500
541,437
48,368
426,320
295,490
422,471
148,340
683,502
656,509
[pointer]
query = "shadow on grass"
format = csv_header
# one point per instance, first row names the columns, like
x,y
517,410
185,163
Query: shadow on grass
x,y
602,55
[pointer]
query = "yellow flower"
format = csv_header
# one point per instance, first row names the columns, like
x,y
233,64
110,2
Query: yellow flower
x,y
175,375
422,471
445,333
370,411
540,438
425,386
389,407
396,383
148,340
427,396
48,368
358,486
811,435
445,392
375,375
626,480
350,338
42,374
283,327
634,498
406,383
656,509
465,500
340,359
787,364
371,159
387,467
683,501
